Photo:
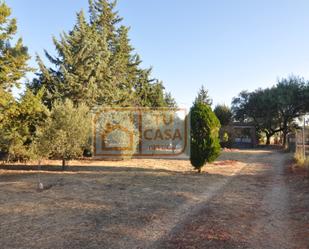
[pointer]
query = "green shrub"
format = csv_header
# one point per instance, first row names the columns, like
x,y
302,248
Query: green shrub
x,y
66,132
19,122
205,144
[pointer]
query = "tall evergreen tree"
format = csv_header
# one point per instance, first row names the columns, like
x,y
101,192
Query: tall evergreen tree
x,y
205,126
96,64
169,100
17,118
79,71
13,58
203,97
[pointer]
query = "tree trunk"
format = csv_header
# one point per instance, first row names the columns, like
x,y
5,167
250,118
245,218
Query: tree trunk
x,y
63,164
199,170
268,136
284,134
284,139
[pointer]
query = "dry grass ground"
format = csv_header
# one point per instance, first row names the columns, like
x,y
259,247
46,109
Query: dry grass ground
x,y
126,204
100,204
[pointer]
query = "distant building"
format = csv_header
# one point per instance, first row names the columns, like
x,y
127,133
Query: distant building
x,y
244,135
240,135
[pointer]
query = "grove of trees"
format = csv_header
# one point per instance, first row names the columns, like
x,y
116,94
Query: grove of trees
x,y
274,109
95,65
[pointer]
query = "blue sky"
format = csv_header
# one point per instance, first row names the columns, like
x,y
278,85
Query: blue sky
x,y
226,45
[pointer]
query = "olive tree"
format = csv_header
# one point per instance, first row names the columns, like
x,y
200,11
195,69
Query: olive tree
x,y
273,110
67,131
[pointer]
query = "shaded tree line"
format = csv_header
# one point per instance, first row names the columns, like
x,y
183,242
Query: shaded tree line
x,y
275,109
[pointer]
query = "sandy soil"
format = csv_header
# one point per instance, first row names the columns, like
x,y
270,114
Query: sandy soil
x,y
236,202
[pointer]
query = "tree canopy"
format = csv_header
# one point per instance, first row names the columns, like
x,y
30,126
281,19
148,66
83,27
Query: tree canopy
x,y
66,132
13,57
224,114
19,119
19,125
97,65
274,109
203,97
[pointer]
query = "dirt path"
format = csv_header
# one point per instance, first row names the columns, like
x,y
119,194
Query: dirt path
x,y
156,232
272,227
253,211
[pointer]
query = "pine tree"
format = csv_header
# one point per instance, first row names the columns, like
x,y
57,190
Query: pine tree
x,y
96,65
169,100
156,95
78,70
13,58
6,102
203,97
124,68
104,17
15,116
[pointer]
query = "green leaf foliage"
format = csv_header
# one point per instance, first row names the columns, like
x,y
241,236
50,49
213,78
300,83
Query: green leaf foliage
x,y
96,65
224,114
13,58
66,132
203,97
205,144
20,122
274,109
